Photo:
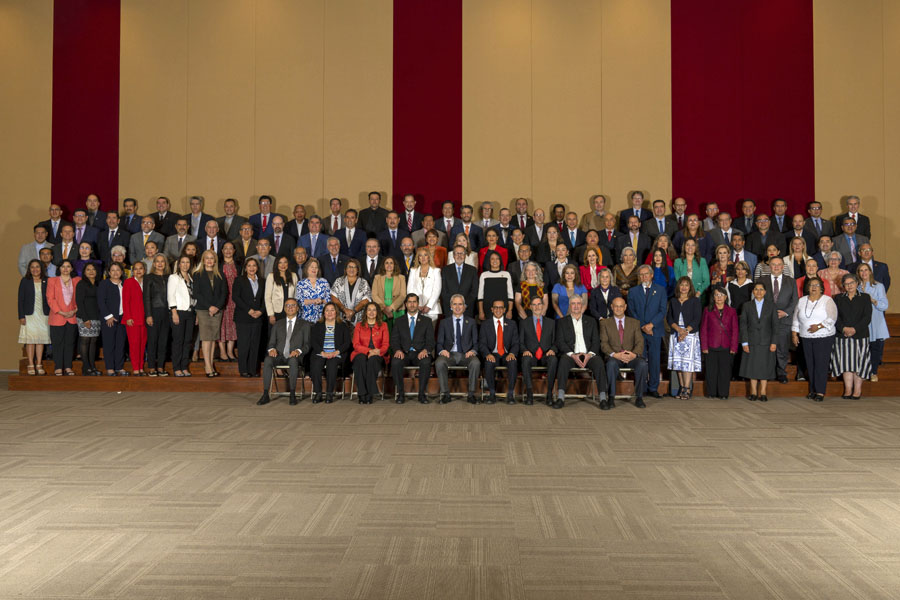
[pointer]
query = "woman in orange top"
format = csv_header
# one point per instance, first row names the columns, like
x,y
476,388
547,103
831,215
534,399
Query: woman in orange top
x,y
62,319
370,347
438,253
133,317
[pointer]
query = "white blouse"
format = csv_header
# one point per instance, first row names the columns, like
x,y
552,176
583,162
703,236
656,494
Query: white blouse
x,y
821,312
428,289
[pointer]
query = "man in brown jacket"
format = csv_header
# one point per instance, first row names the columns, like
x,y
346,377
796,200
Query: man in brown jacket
x,y
622,343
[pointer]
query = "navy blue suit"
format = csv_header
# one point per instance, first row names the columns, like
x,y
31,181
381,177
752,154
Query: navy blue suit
x,y
108,298
390,247
256,221
321,248
650,308
565,236
121,238
355,249
90,235
487,339
476,235
131,227
646,214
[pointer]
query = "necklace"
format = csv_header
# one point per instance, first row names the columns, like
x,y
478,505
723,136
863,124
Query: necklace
x,y
807,311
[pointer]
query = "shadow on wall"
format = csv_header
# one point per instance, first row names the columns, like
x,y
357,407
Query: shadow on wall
x,y
15,231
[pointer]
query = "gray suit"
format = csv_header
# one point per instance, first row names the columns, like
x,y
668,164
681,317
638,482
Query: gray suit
x,y
842,245
277,340
266,265
136,245
786,301
229,233
29,252
171,249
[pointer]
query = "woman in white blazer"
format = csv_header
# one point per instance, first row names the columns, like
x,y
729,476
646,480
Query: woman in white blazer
x,y
180,293
425,282
281,283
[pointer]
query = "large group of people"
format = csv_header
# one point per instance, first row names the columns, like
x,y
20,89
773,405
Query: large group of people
x,y
379,291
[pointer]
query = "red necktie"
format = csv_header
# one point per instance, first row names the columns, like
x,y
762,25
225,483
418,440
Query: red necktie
x,y
621,333
609,236
538,329
522,222
409,221
500,349
265,222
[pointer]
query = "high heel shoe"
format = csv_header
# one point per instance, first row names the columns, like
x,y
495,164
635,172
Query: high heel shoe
x,y
752,397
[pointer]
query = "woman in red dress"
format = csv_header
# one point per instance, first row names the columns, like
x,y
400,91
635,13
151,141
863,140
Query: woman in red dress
x,y
133,317
228,332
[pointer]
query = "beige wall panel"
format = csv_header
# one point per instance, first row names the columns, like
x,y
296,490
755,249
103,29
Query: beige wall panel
x,y
26,70
358,99
636,99
289,101
888,224
566,112
497,135
221,101
153,101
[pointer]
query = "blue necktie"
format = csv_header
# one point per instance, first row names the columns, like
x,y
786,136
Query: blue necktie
x,y
412,332
459,274
572,235
393,237
456,345
661,228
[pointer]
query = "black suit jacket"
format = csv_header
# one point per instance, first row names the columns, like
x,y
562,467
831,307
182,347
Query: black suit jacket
x,y
291,229
54,239
372,221
786,225
741,225
528,335
499,230
863,226
580,236
757,245
201,245
422,339
288,243
565,334
787,297
416,222
611,245
468,340
388,246
342,338
121,238
328,270
165,226
598,307
808,237
467,286
551,274
531,235
643,250
245,300
651,229
487,337
646,213
299,336
369,274
880,272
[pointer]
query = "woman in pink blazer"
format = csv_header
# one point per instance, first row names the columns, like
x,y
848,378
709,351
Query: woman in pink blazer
x,y
63,323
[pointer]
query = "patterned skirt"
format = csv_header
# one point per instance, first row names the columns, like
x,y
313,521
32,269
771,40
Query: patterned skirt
x,y
685,355
851,356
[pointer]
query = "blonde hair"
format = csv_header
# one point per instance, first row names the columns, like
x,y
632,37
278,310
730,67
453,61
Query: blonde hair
x,y
200,268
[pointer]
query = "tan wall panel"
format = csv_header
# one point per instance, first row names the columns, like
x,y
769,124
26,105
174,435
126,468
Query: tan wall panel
x,y
153,101
26,70
889,222
566,112
636,101
358,99
221,100
289,103
497,135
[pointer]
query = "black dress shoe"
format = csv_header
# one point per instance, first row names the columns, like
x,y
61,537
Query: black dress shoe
x,y
471,399
316,398
654,394
782,379
293,401
856,397
423,399
445,398
529,399
401,399
763,398
611,403
510,399
604,405
639,403
264,399
819,397
559,404
800,377
329,398
491,399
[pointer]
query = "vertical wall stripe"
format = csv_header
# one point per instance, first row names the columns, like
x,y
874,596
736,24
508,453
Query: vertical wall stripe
x,y
742,101
427,146
85,152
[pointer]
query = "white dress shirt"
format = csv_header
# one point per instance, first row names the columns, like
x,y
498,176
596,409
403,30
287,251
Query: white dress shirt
x,y
580,346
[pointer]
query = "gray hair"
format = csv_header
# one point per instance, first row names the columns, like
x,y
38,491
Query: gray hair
x,y
460,296
647,267
624,250
539,271
833,253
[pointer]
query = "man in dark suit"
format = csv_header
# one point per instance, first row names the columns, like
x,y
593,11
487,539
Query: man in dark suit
x,y
498,343
799,229
244,244
288,344
373,220
457,345
721,234
815,224
211,240
600,301
880,271
536,232
572,236
578,341
622,342
230,224
413,339
459,278
371,261
764,236
352,239
559,217
196,218
334,220
634,238
781,222
282,243
298,226
636,199
83,231
262,221
164,219
139,240
647,304
740,253
826,246
113,235
315,242
66,248
130,220
334,262
54,224
783,290
609,237
553,269
407,256
504,228
747,221
516,266
537,340
472,230
863,225
679,213
658,224
391,236
96,218
447,222
521,219
411,219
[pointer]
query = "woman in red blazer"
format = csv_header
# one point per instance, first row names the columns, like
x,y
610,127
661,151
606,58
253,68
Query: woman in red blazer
x,y
133,317
492,238
62,319
370,347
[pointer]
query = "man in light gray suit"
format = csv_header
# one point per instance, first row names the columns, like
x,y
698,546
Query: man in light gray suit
x,y
140,239
783,290
174,243
32,250
263,256
288,345
230,224
849,241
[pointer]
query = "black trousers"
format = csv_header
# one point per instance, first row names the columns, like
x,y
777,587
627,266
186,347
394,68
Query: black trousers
x,y
88,349
639,364
248,338
182,336
718,372
331,367
529,362
818,357
876,349
594,365
365,370
782,339
158,337
114,342
410,360
512,370
63,339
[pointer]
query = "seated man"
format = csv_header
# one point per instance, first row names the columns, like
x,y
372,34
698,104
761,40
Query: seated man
x,y
499,344
537,339
623,344
288,345
578,341
413,339
457,344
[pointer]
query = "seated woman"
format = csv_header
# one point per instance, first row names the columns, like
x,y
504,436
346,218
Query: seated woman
x,y
370,348
329,342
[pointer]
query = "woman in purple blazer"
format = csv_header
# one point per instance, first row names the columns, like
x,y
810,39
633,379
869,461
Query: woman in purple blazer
x,y
719,342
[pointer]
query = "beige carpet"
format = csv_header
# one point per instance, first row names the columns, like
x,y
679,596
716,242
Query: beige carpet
x,y
175,496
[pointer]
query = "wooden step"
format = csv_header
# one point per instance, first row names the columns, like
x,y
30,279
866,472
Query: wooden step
x,y
893,323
